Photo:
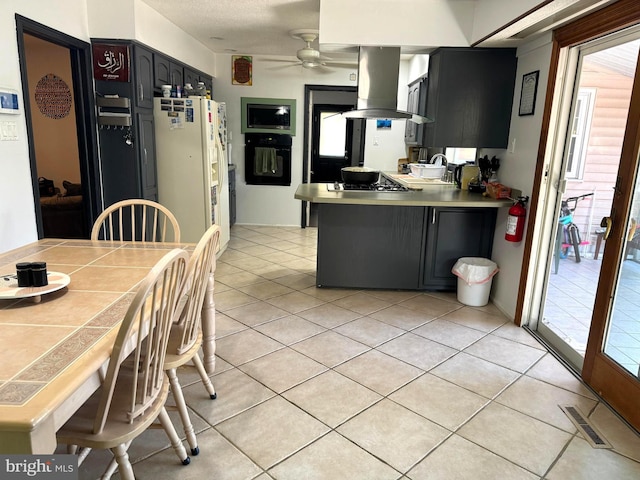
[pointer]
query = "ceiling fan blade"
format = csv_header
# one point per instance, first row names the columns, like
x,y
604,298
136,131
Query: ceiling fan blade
x,y
352,66
281,60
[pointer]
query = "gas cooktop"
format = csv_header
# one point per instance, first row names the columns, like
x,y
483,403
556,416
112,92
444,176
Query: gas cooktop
x,y
385,185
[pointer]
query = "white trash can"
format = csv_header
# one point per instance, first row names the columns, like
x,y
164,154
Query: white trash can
x,y
475,276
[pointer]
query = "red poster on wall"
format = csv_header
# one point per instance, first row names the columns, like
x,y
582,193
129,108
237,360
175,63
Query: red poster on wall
x,y
111,62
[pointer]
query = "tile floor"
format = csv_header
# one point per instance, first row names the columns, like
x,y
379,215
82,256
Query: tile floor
x,y
346,384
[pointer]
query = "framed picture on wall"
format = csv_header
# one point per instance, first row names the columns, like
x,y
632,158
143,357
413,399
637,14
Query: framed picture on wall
x,y
528,93
241,70
111,62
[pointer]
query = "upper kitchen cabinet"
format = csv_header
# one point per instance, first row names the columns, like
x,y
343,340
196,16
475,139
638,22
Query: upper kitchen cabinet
x,y
143,73
469,97
191,76
167,72
416,103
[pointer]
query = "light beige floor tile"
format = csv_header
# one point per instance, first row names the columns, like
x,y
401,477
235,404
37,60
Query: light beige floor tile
x,y
264,290
369,331
188,375
475,374
581,461
460,459
218,459
329,315
231,299
256,313
402,317
328,294
333,457
330,348
244,346
417,351
550,370
394,434
226,325
221,287
295,302
282,369
273,271
236,392
621,437
361,303
472,318
379,371
528,442
297,280
331,398
392,296
290,329
241,279
541,400
223,268
433,398
277,430
505,353
450,334
518,334
264,476
429,305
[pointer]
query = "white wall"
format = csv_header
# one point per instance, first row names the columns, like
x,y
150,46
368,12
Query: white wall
x,y
17,216
135,20
275,205
420,23
517,170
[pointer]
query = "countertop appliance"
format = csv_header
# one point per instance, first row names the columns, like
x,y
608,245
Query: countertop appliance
x,y
192,164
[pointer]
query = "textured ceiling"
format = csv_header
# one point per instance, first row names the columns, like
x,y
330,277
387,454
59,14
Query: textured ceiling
x,y
253,27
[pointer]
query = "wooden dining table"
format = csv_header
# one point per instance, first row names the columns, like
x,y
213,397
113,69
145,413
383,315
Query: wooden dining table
x,y
54,347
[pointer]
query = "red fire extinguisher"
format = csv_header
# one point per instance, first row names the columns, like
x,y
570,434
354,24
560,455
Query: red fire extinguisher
x,y
516,219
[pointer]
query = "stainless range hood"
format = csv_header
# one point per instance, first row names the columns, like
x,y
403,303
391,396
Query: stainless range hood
x,y
378,69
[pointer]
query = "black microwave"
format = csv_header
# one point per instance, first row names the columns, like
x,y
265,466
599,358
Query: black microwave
x,y
268,115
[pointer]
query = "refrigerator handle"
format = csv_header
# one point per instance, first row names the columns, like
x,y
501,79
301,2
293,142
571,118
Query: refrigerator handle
x,y
220,166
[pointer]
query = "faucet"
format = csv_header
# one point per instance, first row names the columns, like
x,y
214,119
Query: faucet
x,y
441,157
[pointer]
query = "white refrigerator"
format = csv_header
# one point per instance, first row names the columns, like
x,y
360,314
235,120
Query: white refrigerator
x,y
192,164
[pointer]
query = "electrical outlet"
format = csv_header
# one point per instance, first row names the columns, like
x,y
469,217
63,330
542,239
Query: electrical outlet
x,y
8,131
375,141
512,147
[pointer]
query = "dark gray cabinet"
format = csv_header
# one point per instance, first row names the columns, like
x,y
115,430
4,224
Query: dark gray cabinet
x,y
396,247
469,94
366,246
176,72
232,195
143,75
452,233
413,106
147,156
191,76
161,71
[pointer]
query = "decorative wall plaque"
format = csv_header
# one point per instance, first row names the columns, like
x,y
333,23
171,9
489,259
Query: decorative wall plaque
x,y
53,96
241,70
111,62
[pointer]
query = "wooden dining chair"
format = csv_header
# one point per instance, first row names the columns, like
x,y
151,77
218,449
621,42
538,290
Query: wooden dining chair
x,y
135,389
185,340
136,220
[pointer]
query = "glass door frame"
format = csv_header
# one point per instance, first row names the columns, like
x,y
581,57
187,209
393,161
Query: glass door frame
x,y
611,381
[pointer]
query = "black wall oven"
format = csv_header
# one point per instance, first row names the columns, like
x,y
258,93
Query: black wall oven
x,y
267,159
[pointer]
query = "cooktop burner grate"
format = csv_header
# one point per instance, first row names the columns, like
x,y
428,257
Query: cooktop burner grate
x,y
388,186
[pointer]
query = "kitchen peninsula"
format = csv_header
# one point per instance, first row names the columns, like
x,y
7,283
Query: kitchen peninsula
x,y
406,240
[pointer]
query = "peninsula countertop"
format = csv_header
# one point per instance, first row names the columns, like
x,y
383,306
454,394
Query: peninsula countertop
x,y
439,195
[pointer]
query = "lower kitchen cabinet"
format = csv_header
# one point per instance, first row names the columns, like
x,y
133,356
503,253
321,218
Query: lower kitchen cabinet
x,y
232,195
367,246
398,247
147,156
452,233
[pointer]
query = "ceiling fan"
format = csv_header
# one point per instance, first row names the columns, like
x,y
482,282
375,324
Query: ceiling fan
x,y
308,56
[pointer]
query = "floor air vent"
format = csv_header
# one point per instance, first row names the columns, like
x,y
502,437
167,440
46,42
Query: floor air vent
x,y
588,431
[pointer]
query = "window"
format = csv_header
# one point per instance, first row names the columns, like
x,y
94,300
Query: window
x,y
333,131
579,133
460,155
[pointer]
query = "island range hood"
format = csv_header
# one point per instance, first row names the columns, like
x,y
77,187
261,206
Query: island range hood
x,y
378,69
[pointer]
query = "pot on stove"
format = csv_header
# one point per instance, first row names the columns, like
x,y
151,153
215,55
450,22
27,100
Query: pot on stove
x,y
359,175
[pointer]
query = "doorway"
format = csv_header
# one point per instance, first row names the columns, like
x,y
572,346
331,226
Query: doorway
x,y
330,141
59,112
590,294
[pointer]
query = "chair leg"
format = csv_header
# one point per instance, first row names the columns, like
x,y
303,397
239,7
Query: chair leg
x,y
124,465
181,405
206,381
173,437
